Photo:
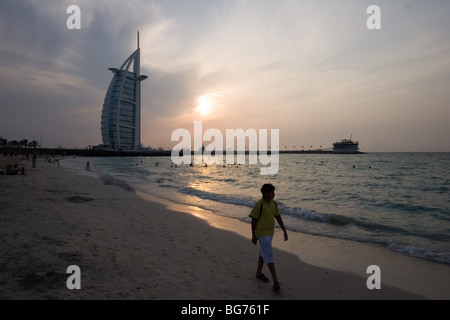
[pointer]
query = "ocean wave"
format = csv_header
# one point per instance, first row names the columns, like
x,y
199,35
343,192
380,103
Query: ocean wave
x,y
298,213
420,252
303,213
113,181
216,197
405,207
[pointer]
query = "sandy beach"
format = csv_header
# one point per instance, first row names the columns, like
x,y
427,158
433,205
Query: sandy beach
x,y
131,247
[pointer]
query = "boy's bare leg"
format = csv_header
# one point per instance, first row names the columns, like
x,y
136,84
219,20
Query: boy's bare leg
x,y
273,272
260,266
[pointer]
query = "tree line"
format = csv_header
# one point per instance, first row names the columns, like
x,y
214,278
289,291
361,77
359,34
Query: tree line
x,y
24,143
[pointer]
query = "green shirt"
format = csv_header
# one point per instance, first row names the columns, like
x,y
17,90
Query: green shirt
x,y
265,217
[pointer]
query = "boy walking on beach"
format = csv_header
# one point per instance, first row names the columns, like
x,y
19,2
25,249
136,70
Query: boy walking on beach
x,y
263,215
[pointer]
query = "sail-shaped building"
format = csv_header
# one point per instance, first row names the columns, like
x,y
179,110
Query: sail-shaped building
x,y
121,114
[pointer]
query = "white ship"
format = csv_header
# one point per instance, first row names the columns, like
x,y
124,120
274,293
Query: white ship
x,y
346,146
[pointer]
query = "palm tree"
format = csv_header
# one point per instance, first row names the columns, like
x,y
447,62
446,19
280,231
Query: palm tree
x,y
33,144
23,143
13,143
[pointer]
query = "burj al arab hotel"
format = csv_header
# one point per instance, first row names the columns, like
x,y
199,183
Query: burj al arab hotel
x,y
121,114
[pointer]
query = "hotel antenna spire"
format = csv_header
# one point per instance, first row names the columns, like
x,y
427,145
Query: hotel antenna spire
x,y
138,38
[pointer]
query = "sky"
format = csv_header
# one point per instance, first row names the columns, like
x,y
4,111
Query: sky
x,y
311,69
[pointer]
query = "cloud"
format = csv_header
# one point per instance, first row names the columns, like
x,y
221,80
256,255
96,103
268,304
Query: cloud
x,y
300,66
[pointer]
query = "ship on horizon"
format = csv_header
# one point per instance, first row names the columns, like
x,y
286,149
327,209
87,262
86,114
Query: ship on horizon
x,y
346,146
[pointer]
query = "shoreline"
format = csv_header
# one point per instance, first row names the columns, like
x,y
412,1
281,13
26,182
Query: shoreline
x,y
341,255
128,247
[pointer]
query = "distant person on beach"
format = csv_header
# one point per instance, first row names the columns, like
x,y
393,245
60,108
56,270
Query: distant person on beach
x,y
263,215
34,160
87,166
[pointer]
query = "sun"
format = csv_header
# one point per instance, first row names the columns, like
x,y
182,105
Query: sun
x,y
209,103
204,105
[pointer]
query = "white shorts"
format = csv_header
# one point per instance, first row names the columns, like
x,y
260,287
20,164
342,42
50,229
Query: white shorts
x,y
265,249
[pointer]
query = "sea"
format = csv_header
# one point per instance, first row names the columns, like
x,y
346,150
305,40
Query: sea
x,y
400,201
